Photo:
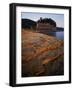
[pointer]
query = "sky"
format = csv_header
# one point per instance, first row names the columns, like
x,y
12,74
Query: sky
x,y
58,18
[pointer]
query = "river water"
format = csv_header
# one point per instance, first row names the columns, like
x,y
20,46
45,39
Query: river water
x,y
58,35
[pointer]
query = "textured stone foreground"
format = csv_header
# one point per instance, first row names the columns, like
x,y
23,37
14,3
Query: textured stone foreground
x,y
41,54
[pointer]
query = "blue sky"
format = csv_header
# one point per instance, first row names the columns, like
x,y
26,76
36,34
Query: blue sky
x,y
59,18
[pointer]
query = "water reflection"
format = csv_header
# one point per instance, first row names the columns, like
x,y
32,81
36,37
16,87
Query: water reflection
x,y
58,35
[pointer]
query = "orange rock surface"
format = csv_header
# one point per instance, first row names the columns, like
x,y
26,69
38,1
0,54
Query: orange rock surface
x,y
38,50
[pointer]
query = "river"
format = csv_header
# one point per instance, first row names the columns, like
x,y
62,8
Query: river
x,y
58,35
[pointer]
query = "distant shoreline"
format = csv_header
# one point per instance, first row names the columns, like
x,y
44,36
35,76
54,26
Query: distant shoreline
x,y
60,29
57,30
30,24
